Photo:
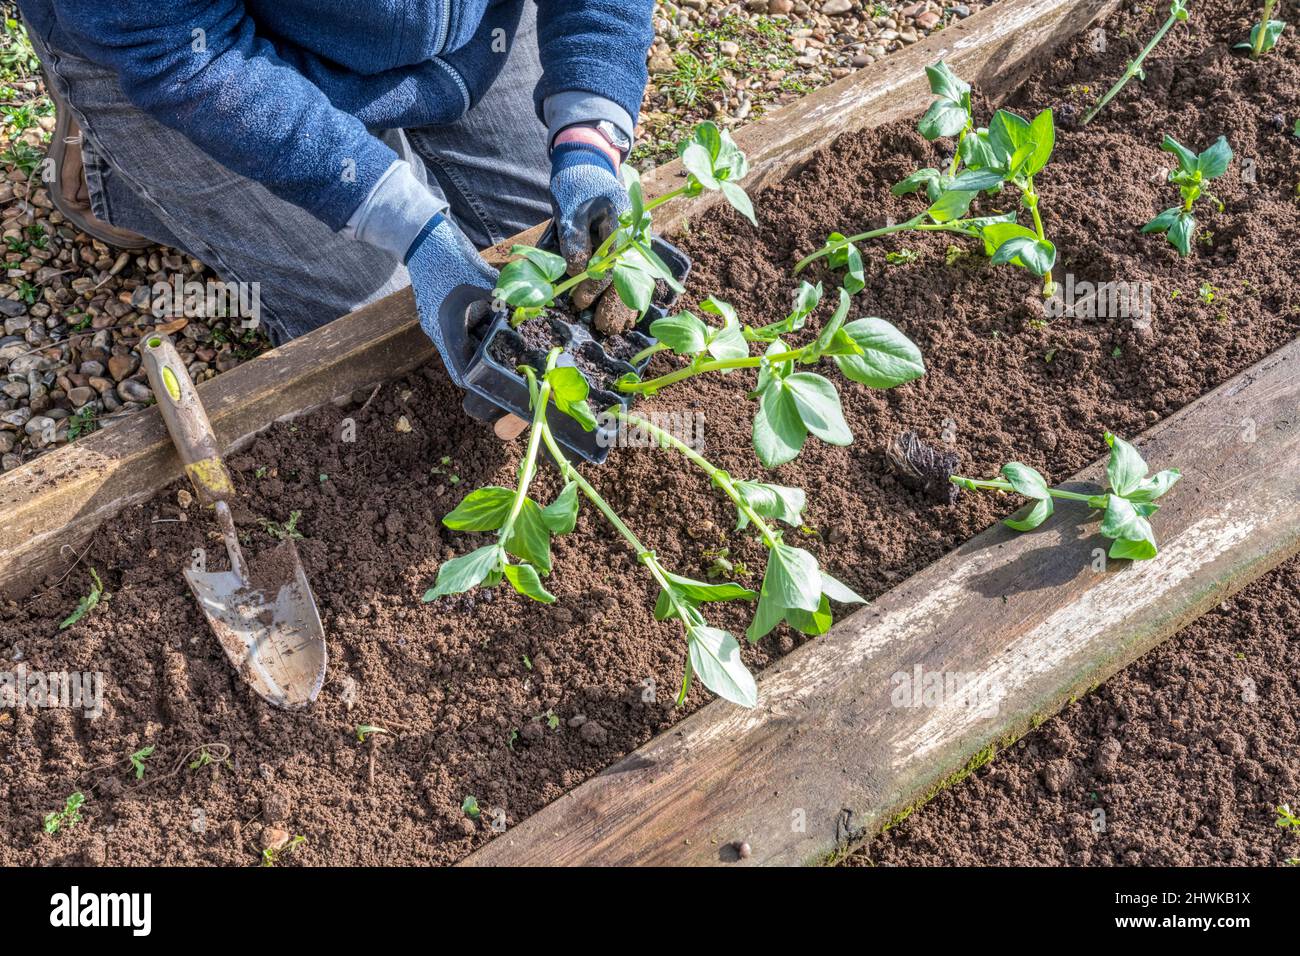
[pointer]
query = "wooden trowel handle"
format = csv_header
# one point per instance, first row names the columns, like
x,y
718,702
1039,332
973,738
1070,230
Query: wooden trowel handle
x,y
187,422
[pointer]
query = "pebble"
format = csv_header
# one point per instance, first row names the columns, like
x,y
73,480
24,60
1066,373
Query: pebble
x,y
592,732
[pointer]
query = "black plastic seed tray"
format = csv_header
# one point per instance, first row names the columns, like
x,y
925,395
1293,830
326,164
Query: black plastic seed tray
x,y
474,335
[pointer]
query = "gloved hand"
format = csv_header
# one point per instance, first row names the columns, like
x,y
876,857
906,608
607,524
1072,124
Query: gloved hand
x,y
586,201
439,260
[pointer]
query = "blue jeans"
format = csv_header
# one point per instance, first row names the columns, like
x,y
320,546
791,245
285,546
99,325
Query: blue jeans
x,y
491,166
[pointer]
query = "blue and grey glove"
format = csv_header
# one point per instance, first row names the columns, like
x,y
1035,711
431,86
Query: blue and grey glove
x,y
586,201
440,259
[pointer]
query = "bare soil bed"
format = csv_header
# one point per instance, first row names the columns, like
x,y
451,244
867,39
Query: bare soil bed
x,y
494,696
1186,754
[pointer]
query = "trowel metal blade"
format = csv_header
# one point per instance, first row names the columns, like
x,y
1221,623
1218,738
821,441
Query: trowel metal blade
x,y
275,640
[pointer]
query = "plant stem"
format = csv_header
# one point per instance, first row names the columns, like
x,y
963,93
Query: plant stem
x,y
528,467
645,353
956,153
1031,200
1257,50
656,203
1130,71
716,474
718,365
975,484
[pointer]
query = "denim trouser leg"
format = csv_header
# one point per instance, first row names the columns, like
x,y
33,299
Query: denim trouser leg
x,y
492,166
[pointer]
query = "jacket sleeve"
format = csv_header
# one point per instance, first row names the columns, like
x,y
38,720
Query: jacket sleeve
x,y
199,68
593,61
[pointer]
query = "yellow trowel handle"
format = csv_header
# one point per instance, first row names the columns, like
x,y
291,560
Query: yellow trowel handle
x,y
187,422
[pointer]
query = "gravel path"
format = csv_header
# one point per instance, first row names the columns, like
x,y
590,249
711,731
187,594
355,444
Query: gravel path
x,y
74,310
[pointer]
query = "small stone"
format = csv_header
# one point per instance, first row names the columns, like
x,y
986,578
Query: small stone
x,y
39,425
577,720
744,851
927,20
402,425
133,391
729,48
780,7
16,390
81,395
184,498
837,8
273,839
592,733
961,11
277,807
122,366
12,307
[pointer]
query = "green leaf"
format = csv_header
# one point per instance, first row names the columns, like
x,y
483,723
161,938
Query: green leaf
x,y
698,162
833,325
1214,160
683,333
888,356
739,200
792,578
1028,482
530,538
996,233
482,510
1152,488
728,343
698,592
811,622
1125,470
847,256
818,405
951,205
1187,160
561,515
524,579
523,285
715,658
944,118
977,151
460,574
945,83
838,591
922,177
977,180
548,263
1182,232
570,390
1164,221
1036,255
779,432
1042,131
635,286
1131,531
1008,132
778,502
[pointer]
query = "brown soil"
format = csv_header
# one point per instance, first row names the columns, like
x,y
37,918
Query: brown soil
x,y
468,686
1186,754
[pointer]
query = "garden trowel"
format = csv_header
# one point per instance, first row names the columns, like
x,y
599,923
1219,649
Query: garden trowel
x,y
265,619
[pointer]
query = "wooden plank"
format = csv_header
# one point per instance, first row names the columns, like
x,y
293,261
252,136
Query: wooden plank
x,y
832,751
61,497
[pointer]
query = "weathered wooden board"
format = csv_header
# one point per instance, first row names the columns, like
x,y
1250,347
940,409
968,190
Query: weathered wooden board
x,y
832,754
60,498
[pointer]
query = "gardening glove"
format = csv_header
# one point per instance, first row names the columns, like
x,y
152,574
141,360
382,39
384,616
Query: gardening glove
x,y
440,259
586,201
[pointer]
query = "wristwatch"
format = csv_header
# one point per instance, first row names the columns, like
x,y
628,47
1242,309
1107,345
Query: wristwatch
x,y
616,137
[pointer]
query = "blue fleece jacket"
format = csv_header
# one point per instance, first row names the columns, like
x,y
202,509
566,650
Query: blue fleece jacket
x,y
286,92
